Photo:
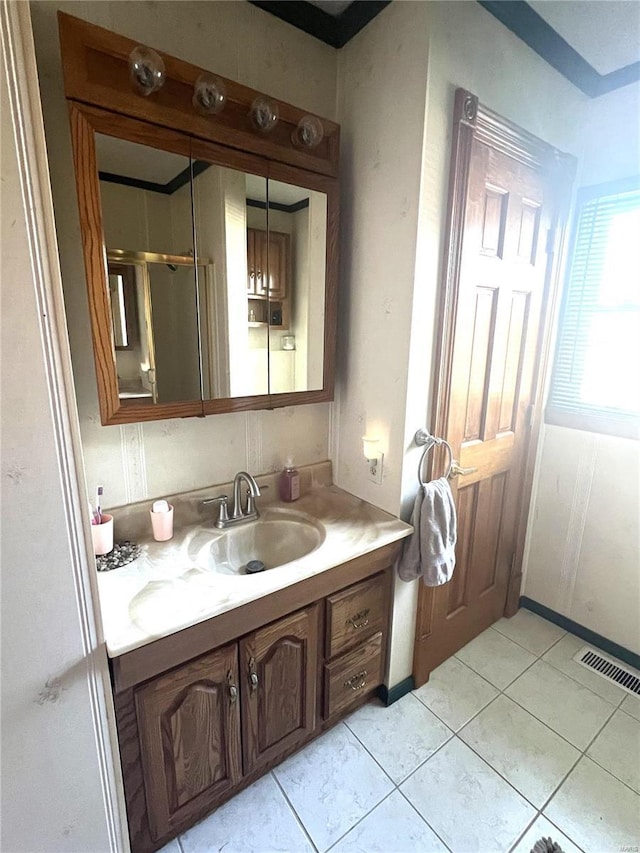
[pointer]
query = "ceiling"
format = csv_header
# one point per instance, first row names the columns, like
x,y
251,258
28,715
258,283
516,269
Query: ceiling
x,y
605,33
594,43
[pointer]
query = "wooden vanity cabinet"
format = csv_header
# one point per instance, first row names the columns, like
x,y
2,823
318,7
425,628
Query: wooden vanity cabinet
x,y
279,663
203,713
268,263
189,729
268,278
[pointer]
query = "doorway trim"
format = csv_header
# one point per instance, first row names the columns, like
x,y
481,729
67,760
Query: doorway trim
x,y
472,120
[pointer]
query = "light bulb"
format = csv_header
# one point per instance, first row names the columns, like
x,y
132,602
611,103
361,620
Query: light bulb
x,y
309,133
209,94
264,114
146,70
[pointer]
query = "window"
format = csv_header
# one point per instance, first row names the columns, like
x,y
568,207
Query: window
x,y
596,375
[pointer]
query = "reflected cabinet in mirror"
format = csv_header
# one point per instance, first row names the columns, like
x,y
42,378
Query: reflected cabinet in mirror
x,y
211,271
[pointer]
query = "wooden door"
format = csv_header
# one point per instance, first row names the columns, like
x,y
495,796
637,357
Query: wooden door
x,y
507,189
189,729
279,665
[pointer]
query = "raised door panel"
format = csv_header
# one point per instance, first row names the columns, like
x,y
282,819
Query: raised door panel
x,y
278,264
261,259
189,724
279,685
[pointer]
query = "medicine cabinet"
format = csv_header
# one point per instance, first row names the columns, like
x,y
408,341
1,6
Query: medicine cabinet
x,y
211,268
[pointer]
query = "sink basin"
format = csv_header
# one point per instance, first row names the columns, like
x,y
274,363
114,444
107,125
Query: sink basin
x,y
274,540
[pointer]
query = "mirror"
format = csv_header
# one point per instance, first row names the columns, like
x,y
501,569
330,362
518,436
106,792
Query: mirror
x,y
145,196
216,277
296,288
210,245
248,318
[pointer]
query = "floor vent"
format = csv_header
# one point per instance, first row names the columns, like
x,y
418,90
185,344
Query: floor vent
x,y
609,669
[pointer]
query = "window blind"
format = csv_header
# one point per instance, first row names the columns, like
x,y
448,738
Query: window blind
x,y
596,371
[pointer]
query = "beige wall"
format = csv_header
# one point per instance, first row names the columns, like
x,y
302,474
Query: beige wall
x,y
583,554
55,769
397,81
246,44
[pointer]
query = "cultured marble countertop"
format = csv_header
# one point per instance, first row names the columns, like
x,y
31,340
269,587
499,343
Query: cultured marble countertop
x,y
168,589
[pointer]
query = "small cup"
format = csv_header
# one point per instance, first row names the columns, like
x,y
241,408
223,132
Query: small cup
x,y
102,535
162,523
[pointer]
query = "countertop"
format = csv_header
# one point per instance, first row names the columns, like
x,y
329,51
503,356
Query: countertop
x,y
165,590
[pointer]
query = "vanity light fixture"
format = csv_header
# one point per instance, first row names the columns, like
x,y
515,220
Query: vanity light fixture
x,y
146,70
309,133
264,114
209,94
374,457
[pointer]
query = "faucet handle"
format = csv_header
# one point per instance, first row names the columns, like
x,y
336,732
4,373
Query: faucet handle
x,y
223,514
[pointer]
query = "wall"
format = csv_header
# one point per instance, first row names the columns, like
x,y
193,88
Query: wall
x,y
397,81
56,767
246,44
584,527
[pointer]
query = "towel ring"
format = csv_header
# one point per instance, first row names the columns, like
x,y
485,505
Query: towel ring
x,y
423,437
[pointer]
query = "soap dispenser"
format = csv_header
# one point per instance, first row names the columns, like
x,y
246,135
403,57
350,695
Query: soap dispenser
x,y
289,482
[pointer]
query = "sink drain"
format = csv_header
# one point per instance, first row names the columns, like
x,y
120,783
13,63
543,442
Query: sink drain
x,y
255,566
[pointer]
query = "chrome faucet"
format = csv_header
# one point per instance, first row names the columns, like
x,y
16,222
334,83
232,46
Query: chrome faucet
x,y
239,515
253,492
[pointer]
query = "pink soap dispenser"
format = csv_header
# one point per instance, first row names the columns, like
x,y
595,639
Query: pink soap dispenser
x,y
289,482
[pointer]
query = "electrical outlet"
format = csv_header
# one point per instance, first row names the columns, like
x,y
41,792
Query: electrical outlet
x,y
375,469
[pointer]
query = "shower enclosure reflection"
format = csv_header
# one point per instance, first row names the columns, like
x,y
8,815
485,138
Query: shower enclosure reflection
x,y
153,311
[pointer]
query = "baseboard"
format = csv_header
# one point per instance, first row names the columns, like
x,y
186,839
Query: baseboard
x,y
389,695
625,655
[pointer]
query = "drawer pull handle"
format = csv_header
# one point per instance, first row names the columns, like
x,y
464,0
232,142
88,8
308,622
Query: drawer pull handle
x,y
357,681
360,620
253,675
233,690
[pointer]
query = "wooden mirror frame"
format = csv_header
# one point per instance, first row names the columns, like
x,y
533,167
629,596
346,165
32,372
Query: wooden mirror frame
x,y
92,102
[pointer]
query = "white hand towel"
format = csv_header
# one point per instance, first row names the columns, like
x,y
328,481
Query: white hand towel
x,y
430,550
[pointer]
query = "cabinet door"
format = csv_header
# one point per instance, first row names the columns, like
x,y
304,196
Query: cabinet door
x,y
251,261
278,264
279,686
189,728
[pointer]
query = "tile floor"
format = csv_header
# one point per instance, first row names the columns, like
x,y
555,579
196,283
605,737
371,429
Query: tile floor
x,y
510,740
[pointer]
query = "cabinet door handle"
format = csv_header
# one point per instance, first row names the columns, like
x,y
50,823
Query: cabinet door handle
x,y
357,681
359,620
233,690
253,675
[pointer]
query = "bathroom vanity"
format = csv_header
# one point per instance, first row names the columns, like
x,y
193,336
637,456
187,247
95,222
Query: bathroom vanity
x,y
219,675
209,224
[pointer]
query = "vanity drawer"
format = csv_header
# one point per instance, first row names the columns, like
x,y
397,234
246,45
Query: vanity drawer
x,y
356,613
352,675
